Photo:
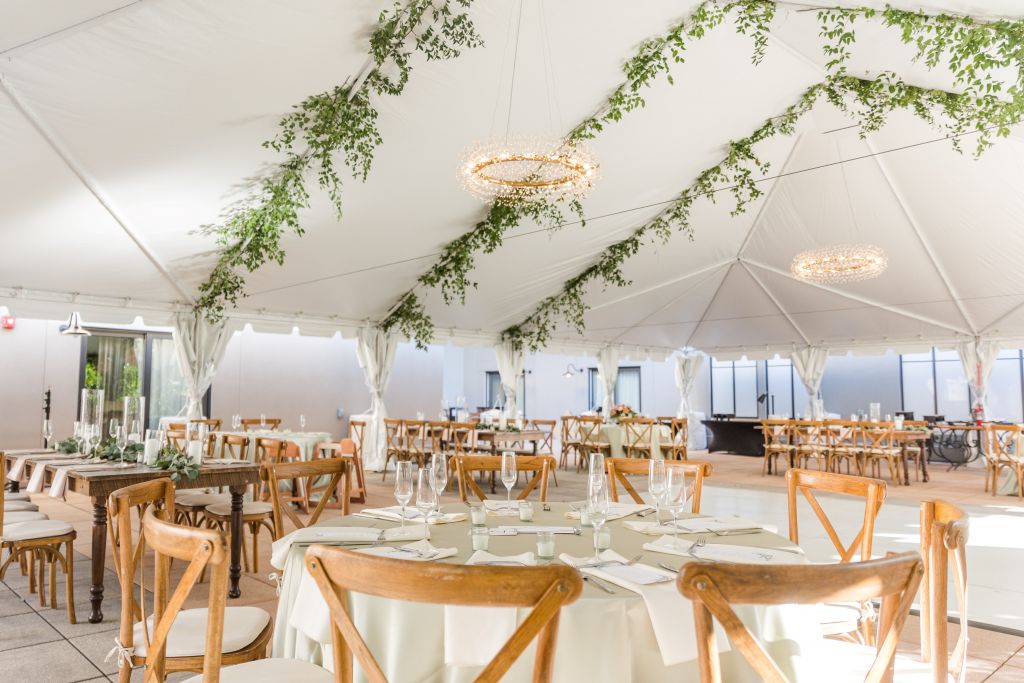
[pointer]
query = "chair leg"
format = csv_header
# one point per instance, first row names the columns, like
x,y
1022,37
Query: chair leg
x,y
31,570
42,578
53,577
69,577
255,531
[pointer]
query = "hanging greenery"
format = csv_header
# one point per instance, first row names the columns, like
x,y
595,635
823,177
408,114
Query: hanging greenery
x,y
339,122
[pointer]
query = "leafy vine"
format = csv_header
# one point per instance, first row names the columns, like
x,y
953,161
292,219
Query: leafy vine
x,y
341,121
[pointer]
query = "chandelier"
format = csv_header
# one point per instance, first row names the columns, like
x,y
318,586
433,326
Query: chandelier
x,y
528,169
841,263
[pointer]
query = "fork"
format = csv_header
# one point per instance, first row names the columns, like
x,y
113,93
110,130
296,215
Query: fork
x,y
593,565
697,545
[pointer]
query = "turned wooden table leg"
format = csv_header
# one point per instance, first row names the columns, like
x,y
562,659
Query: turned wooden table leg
x,y
235,567
99,554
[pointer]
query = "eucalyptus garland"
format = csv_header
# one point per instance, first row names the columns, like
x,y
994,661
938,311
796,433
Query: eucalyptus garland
x,y
339,122
178,463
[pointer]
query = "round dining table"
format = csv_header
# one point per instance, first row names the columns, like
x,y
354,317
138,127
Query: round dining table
x,y
603,636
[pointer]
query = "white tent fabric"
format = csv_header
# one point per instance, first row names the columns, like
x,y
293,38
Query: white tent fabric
x,y
125,127
376,354
979,358
199,347
608,372
809,363
510,367
687,369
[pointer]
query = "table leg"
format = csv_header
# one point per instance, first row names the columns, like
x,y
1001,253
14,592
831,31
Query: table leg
x,y
99,554
906,467
14,486
924,460
235,567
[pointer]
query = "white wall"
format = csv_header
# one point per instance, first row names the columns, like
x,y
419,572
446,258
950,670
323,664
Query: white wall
x,y
851,383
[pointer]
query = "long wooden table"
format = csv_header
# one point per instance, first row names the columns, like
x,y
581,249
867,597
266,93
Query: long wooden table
x,y
501,437
99,484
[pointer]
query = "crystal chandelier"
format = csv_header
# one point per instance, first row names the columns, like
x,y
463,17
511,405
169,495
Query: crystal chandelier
x,y
528,169
841,263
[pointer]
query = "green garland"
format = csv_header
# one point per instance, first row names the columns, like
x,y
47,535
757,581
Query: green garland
x,y
178,463
341,120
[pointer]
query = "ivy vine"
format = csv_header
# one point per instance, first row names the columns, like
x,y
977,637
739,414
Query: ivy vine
x,y
341,122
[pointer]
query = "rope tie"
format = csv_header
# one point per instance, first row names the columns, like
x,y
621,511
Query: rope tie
x,y
278,580
124,654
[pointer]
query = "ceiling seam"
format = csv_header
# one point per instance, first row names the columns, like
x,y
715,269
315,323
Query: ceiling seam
x,y
700,320
1002,317
81,24
776,302
661,285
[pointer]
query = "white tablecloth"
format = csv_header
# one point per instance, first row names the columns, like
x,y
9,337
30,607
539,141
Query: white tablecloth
x,y
601,637
616,436
305,441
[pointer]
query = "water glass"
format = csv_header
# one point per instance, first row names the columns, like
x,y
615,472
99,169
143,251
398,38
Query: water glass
x,y
481,537
121,441
525,511
403,485
597,507
675,495
656,485
545,545
426,496
477,514
508,474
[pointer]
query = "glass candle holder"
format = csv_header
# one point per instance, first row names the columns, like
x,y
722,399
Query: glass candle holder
x,y
545,545
481,537
477,514
525,511
604,538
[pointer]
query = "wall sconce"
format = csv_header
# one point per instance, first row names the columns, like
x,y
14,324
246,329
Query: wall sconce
x,y
73,327
570,371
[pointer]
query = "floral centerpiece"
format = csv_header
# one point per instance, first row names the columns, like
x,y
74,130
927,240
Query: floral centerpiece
x,y
620,411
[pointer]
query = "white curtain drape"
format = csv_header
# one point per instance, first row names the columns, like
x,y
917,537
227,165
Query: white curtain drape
x,y
687,369
809,363
979,358
510,366
376,354
199,347
608,371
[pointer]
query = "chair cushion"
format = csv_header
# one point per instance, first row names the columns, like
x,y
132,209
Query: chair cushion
x,y
44,528
242,625
18,517
248,508
20,495
201,499
842,662
836,618
275,670
20,506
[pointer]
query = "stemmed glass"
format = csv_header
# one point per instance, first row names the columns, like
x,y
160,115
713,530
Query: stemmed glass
x,y
263,421
302,421
675,495
439,476
121,441
426,496
47,433
656,485
236,422
597,508
509,474
403,485
114,424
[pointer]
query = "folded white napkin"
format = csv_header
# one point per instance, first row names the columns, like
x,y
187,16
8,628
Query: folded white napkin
x,y
341,534
501,508
394,514
616,510
35,483
18,468
721,552
671,614
420,551
473,635
59,483
697,525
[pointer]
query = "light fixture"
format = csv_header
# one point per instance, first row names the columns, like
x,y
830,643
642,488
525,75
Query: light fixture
x,y
73,327
570,371
528,169
840,263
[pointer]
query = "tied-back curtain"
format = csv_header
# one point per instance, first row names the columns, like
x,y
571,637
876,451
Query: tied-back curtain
x,y
608,371
978,358
199,346
510,366
376,354
687,369
809,363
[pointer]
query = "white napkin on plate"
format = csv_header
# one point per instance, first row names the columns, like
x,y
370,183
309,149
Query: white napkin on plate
x,y
671,614
500,508
697,525
394,514
721,552
420,551
473,635
616,510
341,534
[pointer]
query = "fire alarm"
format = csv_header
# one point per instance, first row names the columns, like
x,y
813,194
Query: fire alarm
x,y
7,322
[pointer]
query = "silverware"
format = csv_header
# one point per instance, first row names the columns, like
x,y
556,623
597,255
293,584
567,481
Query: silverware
x,y
795,551
418,553
738,532
665,566
697,545
499,563
599,583
608,563
644,513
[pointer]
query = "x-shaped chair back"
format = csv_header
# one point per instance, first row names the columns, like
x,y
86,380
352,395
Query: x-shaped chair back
x,y
618,468
540,465
335,468
808,482
1004,443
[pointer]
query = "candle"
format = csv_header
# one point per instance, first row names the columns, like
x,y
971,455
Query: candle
x,y
477,514
519,423
195,451
502,422
525,511
151,451
481,537
604,539
584,516
545,545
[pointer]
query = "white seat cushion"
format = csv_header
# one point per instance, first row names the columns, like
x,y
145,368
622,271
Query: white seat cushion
x,y
20,495
842,662
248,508
202,499
836,618
276,670
188,633
20,506
26,531
18,517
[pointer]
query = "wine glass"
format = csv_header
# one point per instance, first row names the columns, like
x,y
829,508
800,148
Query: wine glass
x,y
439,476
47,433
426,496
263,421
675,495
302,421
597,508
135,431
596,463
114,424
509,474
121,441
236,422
656,485
403,485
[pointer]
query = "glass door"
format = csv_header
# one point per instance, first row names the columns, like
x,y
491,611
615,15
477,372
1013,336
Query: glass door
x,y
167,394
115,363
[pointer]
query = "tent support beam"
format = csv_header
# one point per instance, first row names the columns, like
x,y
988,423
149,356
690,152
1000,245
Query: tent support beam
x,y
89,183
767,200
1001,318
776,302
925,244
711,301
661,285
14,49
860,299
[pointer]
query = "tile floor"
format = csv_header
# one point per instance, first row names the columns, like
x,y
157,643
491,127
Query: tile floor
x,y
37,644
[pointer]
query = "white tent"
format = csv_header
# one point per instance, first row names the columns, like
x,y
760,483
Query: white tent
x,y
125,126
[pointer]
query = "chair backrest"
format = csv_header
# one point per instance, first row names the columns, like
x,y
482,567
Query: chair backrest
x,y
175,426
619,468
234,446
637,431
776,433
547,428
202,549
944,531
840,434
871,490
356,430
540,465
1003,442
807,434
877,436
415,437
338,572
128,555
393,433
715,588
436,433
269,450
211,425
252,423
680,431
589,429
176,438
462,437
570,429
274,472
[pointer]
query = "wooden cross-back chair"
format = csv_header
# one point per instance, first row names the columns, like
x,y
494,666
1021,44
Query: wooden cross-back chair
x,y
234,446
204,550
841,444
637,436
339,572
356,432
417,441
679,435
250,424
944,531
394,442
877,444
776,434
715,588
278,450
345,448
176,438
436,433
570,441
546,446
619,468
248,628
809,442
540,465
1003,452
274,473
591,440
840,619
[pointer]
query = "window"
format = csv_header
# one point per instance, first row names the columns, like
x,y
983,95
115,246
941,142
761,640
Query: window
x,y
933,383
627,388
786,393
1005,393
496,397
734,387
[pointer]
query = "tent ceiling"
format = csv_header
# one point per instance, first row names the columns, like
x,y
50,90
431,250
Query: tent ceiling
x,y
126,126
